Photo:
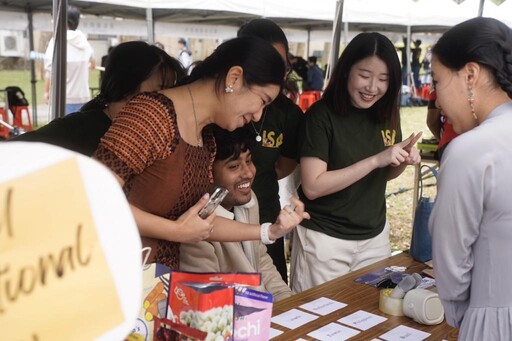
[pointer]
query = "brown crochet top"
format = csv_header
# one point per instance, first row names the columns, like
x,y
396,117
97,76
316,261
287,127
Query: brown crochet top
x,y
163,174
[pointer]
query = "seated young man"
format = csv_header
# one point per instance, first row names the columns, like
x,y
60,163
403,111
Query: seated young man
x,y
233,169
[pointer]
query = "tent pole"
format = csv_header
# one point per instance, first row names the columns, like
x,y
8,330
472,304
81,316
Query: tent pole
x,y
32,64
308,43
336,36
481,8
408,51
345,33
149,22
59,61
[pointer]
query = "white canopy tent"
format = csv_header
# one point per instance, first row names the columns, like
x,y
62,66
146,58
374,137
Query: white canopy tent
x,y
299,15
225,17
138,28
415,15
301,19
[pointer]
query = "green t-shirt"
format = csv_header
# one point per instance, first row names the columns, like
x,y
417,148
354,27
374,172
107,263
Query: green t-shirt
x,y
357,212
279,134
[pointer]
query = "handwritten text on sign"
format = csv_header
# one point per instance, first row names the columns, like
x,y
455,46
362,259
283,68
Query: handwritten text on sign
x,y
55,283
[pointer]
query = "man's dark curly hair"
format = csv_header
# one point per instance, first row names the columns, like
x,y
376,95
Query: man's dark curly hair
x,y
231,144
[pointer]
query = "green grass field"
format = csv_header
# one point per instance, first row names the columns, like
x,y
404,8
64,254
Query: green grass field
x,y
400,190
22,80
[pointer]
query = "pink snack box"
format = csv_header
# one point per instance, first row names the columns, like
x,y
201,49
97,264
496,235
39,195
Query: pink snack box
x,y
253,311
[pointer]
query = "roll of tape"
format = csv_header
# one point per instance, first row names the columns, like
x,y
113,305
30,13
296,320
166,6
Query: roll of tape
x,y
390,305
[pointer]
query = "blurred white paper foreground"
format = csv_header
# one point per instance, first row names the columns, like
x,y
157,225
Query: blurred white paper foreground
x,y
71,251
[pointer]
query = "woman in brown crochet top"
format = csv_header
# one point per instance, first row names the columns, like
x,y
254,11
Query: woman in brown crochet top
x,y
161,149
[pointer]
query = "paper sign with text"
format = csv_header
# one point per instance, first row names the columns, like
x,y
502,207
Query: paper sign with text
x,y
323,306
362,320
293,318
402,333
333,332
274,332
55,283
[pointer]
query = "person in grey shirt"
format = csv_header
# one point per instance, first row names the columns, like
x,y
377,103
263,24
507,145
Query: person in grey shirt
x,y
471,223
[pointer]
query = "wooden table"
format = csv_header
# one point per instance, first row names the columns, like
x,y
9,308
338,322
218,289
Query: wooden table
x,y
357,297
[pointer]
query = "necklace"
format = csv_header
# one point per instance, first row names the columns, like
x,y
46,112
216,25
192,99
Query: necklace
x,y
198,137
107,112
258,133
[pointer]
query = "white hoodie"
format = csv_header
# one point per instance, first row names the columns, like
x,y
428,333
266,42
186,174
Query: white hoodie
x,y
79,54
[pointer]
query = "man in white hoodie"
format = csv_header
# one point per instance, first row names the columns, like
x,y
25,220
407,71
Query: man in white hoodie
x,y
80,60
233,169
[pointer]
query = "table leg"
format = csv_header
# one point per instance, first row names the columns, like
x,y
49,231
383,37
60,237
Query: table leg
x,y
415,192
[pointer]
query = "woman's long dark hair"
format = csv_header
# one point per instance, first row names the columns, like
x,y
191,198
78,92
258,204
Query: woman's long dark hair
x,y
261,63
362,46
127,66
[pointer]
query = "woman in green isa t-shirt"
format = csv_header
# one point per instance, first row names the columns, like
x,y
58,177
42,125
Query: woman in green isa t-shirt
x,y
351,148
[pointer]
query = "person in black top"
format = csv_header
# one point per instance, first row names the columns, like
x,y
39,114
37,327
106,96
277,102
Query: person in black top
x,y
130,68
415,63
300,66
104,63
315,80
276,150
